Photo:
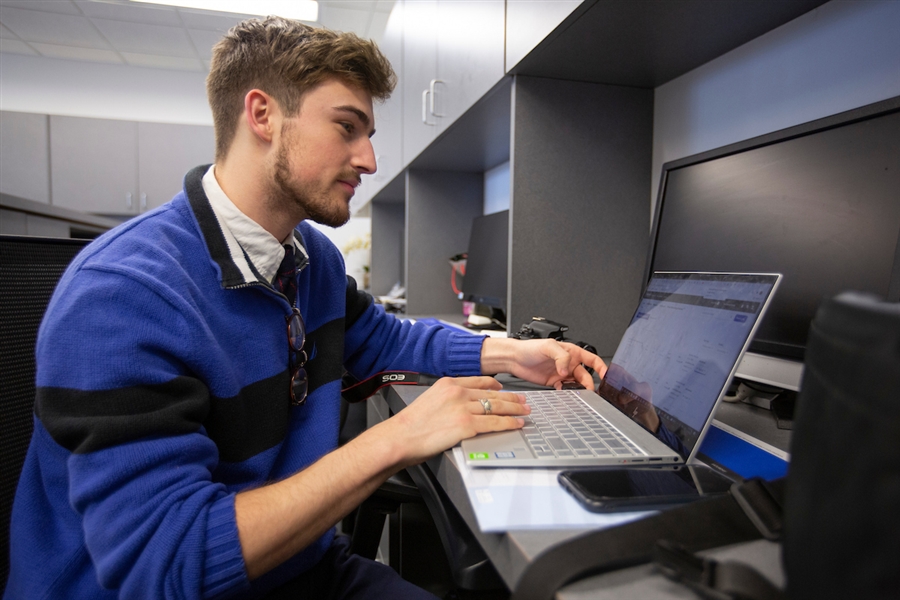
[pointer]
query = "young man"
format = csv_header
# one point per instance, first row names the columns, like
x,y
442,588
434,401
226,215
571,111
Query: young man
x,y
185,445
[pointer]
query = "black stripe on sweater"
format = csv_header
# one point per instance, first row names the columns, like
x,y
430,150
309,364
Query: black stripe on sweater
x,y
241,426
86,421
357,303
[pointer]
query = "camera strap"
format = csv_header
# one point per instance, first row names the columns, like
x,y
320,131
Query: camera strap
x,y
711,579
356,391
697,526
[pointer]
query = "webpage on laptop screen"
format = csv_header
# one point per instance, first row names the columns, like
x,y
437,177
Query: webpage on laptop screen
x,y
679,349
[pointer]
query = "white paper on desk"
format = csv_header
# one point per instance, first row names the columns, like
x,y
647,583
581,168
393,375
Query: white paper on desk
x,y
507,499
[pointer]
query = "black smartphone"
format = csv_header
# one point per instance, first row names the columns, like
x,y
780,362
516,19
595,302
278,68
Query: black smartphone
x,y
647,488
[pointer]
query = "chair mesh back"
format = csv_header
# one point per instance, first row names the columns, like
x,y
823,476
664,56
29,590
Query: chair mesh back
x,y
30,267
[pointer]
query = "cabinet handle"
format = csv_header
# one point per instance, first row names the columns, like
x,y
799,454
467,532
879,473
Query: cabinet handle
x,y
129,201
425,94
431,85
143,202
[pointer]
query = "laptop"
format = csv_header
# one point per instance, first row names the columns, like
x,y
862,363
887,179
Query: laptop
x,y
656,401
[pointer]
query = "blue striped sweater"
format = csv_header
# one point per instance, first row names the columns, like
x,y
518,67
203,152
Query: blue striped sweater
x,y
163,383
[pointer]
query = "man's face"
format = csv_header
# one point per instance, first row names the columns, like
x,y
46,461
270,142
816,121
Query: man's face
x,y
323,150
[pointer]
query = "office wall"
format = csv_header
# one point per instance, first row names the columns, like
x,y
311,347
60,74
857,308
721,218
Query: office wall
x,y
841,56
81,89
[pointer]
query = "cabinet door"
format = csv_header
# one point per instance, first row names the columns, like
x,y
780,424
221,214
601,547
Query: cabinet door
x,y
388,139
166,152
93,164
420,29
529,21
24,156
469,54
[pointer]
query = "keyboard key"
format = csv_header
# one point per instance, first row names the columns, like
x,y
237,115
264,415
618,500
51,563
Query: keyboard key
x,y
557,444
559,424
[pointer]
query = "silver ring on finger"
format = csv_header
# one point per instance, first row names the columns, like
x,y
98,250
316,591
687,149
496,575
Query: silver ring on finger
x,y
486,405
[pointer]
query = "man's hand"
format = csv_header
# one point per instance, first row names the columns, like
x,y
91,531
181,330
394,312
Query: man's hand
x,y
278,520
545,361
451,411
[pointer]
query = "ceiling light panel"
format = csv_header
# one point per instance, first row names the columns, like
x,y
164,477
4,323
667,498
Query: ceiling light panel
x,y
303,10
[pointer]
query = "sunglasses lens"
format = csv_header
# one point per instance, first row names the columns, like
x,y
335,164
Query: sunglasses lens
x,y
299,386
296,333
296,338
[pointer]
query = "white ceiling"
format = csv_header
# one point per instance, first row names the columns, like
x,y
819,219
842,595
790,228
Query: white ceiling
x,y
142,35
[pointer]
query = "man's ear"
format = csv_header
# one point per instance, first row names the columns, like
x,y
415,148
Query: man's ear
x,y
262,114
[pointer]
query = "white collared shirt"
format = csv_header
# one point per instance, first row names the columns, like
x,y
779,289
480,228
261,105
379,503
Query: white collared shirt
x,y
261,248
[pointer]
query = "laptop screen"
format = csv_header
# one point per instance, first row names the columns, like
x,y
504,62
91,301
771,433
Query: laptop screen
x,y
681,349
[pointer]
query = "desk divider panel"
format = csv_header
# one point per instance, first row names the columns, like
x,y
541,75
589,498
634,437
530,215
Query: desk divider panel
x,y
388,253
580,165
440,206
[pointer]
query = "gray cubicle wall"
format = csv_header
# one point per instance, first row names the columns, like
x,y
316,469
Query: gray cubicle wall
x,y
25,155
440,206
388,227
580,220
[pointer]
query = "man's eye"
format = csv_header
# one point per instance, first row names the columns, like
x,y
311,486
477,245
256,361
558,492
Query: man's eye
x,y
348,127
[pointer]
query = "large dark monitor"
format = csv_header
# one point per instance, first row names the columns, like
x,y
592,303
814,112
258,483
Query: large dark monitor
x,y
487,264
819,203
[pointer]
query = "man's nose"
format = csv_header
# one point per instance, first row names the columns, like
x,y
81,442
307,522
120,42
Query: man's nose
x,y
364,157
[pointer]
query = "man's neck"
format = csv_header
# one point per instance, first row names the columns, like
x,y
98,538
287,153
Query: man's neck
x,y
249,193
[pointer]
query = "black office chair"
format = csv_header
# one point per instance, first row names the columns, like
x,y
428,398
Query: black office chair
x,y
30,268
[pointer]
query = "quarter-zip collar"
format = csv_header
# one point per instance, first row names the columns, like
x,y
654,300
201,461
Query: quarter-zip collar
x,y
244,251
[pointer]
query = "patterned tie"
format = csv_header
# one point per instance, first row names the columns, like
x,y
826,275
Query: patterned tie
x,y
286,277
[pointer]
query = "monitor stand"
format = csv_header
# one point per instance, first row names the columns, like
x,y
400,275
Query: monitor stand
x,y
478,320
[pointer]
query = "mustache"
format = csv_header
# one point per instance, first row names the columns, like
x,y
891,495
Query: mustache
x,y
351,176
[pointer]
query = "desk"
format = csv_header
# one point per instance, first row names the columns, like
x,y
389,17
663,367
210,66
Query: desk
x,y
511,552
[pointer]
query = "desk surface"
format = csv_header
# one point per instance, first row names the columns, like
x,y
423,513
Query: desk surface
x,y
511,552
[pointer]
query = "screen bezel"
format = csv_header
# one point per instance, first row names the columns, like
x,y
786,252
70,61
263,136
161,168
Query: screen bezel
x,y
766,348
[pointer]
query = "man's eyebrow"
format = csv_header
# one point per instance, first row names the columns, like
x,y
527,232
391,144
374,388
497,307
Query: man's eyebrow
x,y
363,117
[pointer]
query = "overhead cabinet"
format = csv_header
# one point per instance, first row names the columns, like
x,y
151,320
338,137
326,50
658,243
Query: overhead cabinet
x,y
387,142
166,152
93,165
24,156
452,55
530,21
447,54
111,167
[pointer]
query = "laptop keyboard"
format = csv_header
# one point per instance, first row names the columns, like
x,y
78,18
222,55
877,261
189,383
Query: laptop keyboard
x,y
562,425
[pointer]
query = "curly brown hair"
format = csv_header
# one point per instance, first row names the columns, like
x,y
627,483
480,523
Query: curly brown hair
x,y
285,58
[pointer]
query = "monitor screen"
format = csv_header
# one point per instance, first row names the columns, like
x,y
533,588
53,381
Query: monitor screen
x,y
819,203
487,262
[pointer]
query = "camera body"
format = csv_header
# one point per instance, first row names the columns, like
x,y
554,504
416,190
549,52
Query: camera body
x,y
541,328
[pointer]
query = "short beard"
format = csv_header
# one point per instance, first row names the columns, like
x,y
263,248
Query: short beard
x,y
314,203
